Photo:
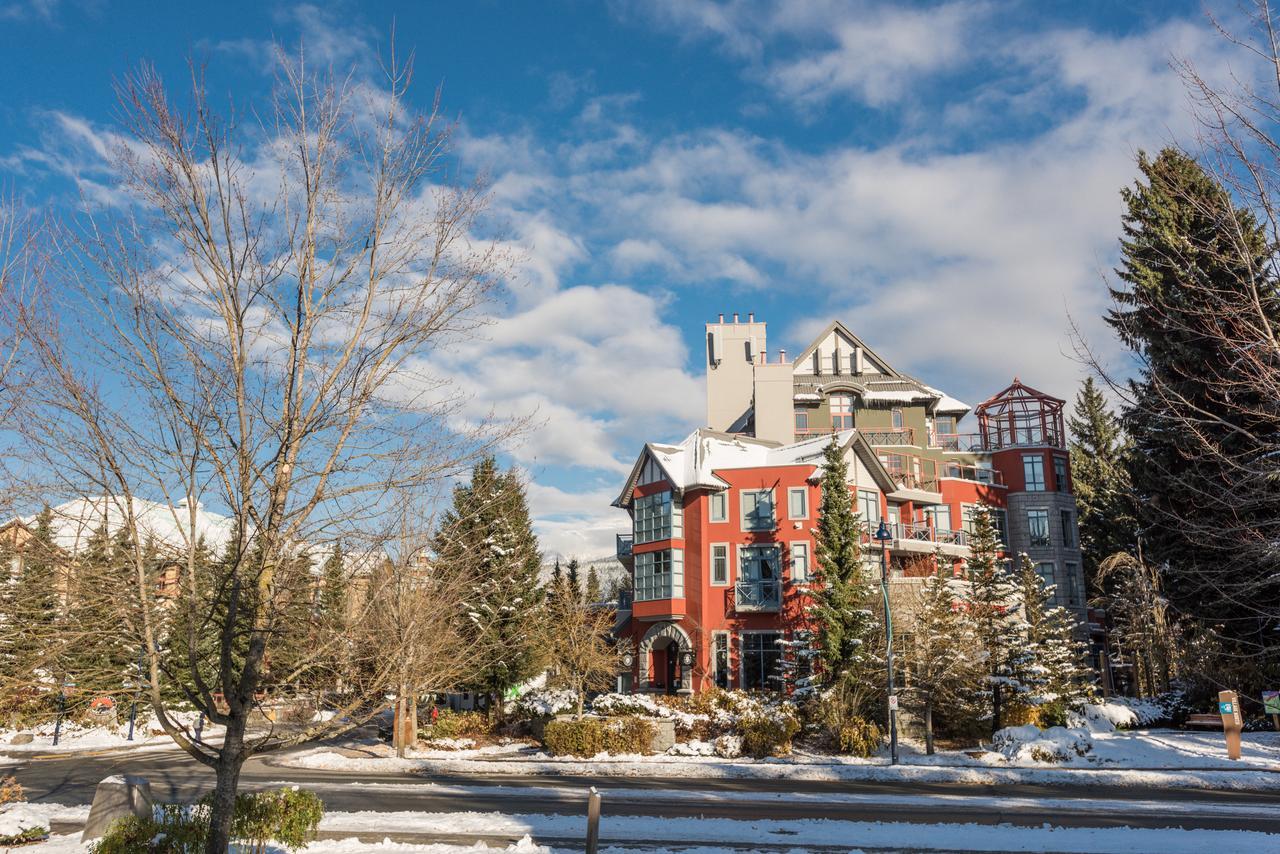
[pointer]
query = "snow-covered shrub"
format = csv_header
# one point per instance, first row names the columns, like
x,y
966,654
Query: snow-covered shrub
x,y
1054,745
728,746
20,824
544,703
696,747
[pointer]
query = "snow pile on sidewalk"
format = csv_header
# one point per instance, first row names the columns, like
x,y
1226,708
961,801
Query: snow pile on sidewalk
x,y
1053,746
19,818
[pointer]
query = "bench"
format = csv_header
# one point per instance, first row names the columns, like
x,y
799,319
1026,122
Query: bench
x,y
1204,721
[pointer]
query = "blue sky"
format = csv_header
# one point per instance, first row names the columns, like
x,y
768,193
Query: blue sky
x,y
943,177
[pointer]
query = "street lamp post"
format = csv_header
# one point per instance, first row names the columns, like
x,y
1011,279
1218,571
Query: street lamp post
x,y
883,536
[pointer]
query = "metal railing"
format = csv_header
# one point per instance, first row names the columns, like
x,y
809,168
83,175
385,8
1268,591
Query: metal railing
x,y
956,441
761,595
810,432
896,436
625,542
907,480
924,534
973,473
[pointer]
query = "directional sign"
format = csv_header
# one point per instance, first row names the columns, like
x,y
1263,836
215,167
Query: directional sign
x,y
1227,708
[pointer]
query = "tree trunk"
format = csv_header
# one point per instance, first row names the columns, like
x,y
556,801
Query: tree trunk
x,y
928,726
995,708
222,810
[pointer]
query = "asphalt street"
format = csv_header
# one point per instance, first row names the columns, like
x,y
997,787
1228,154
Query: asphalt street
x,y
71,779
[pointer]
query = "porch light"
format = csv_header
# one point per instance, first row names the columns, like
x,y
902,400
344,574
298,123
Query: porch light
x,y
628,659
686,659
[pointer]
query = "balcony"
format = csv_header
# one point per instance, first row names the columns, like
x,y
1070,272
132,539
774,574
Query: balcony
x,y
972,473
762,595
965,442
924,539
897,436
625,541
802,433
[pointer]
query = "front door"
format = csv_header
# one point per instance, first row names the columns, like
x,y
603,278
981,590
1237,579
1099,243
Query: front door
x,y
673,665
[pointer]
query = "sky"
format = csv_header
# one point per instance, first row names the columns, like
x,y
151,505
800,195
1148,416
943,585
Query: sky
x,y
942,177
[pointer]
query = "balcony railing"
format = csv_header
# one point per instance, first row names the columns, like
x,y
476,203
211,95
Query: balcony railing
x,y
924,534
762,595
896,436
956,441
973,473
906,480
809,432
625,542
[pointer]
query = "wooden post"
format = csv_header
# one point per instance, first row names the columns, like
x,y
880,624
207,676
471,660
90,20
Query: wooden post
x,y
593,821
1232,721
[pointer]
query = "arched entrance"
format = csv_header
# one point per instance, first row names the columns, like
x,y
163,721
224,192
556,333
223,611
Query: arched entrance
x,y
671,643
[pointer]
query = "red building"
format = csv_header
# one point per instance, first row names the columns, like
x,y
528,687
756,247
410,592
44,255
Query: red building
x,y
721,549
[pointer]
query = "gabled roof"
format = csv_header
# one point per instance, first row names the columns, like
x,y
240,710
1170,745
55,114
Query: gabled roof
x,y
1019,390
844,330
692,463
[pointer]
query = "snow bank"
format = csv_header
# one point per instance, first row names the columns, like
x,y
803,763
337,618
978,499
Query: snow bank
x,y
17,818
1053,746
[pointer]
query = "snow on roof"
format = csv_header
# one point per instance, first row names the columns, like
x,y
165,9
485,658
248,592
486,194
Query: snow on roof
x,y
947,403
74,522
692,463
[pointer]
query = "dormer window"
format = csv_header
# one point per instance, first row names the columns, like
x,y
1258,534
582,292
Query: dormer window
x,y
897,419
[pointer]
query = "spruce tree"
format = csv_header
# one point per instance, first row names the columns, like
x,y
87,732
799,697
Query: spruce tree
x,y
488,536
572,584
37,643
843,602
105,646
938,657
1202,467
593,592
992,610
1051,662
1100,477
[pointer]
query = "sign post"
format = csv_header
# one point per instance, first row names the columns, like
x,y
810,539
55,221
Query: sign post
x,y
1232,721
1271,706
593,821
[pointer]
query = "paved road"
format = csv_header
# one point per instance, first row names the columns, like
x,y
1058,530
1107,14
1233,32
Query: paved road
x,y
175,777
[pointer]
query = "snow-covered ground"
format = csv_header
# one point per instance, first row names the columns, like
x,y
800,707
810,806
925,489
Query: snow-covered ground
x,y
74,737
1121,758
540,834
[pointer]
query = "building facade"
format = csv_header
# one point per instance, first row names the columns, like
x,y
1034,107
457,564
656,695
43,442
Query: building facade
x,y
721,549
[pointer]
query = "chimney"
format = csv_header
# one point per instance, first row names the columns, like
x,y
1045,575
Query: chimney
x,y
751,317
721,320
782,356
735,317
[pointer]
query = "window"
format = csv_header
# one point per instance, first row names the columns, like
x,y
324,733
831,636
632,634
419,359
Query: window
x,y
758,587
897,419
1071,572
719,507
720,658
1038,528
1068,530
757,510
944,425
660,575
869,507
802,422
999,520
1033,472
719,564
1045,571
798,503
841,411
761,656
799,562
656,518
939,516
835,361
1060,480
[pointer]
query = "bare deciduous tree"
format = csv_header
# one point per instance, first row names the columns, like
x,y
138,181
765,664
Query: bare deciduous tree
x,y
255,330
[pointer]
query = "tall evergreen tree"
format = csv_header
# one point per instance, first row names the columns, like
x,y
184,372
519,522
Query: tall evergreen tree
x,y
572,583
992,608
1051,662
39,654
1194,267
105,646
487,535
938,658
1100,477
843,602
593,592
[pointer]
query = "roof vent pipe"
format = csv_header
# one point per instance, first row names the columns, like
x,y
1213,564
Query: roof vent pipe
x,y
751,317
721,320
782,356
735,317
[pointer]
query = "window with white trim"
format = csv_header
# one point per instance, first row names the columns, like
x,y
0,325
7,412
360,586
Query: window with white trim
x,y
720,659
657,517
757,510
761,660
719,506
1061,482
799,562
797,503
841,411
659,575
719,564
1038,528
869,507
1033,472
